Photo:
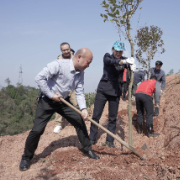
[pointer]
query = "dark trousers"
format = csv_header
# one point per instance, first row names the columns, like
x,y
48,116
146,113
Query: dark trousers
x,y
144,101
134,88
99,104
45,109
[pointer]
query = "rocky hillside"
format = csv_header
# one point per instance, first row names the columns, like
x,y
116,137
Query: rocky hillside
x,y
59,156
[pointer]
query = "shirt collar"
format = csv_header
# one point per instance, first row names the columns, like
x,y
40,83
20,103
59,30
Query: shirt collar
x,y
72,69
156,70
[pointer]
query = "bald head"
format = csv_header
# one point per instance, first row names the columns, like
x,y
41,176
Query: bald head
x,y
82,59
84,52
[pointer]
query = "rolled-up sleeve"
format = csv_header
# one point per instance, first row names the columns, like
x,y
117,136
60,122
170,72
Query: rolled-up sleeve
x,y
80,92
48,72
157,93
163,81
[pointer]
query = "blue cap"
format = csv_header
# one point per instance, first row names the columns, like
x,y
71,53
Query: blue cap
x,y
119,46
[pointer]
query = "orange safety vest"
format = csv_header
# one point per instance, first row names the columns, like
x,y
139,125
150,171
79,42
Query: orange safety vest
x,y
147,87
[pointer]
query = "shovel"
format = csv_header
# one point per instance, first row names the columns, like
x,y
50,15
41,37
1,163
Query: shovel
x,y
142,156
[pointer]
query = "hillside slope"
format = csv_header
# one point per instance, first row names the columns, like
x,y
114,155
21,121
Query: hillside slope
x,y
59,156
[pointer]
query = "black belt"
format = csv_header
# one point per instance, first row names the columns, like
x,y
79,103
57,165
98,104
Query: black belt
x,y
41,95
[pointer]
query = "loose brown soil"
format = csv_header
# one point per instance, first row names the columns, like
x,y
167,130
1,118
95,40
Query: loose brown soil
x,y
59,156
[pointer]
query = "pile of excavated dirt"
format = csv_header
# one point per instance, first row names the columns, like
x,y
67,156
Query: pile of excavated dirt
x,y
59,156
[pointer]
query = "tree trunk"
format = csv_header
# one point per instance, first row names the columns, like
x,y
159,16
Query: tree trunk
x,y
130,87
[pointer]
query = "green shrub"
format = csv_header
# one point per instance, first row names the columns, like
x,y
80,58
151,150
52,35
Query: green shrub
x,y
18,107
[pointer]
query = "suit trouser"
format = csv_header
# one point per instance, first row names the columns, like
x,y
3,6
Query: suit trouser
x,y
45,109
144,101
72,97
99,104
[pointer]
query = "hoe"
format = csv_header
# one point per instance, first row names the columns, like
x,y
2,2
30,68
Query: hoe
x,y
142,156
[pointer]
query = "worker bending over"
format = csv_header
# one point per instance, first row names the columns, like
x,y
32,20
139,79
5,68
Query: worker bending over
x,y
139,76
144,100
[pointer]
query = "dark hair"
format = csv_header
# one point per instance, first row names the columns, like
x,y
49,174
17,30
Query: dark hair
x,y
153,77
159,63
64,43
145,71
73,50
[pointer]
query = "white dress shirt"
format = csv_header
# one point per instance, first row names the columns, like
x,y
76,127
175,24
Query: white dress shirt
x,y
60,77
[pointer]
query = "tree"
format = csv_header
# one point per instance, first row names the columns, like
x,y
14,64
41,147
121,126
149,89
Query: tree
x,y
170,72
120,13
7,81
149,42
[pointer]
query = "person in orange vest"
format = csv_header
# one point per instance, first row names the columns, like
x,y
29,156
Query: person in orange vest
x,y
144,99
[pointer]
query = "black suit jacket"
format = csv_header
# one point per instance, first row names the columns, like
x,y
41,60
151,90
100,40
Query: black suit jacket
x,y
111,81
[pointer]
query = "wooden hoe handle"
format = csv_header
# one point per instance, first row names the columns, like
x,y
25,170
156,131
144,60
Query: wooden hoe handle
x,y
142,156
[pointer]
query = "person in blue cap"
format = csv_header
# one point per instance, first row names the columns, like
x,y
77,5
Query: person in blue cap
x,y
110,89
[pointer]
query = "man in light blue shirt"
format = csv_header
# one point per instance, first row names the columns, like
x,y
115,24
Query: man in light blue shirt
x,y
56,80
160,74
161,78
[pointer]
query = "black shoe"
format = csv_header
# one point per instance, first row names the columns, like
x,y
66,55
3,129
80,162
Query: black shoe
x,y
24,165
140,128
91,154
151,132
110,144
124,99
92,142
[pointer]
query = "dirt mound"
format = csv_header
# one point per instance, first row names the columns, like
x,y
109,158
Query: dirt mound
x,y
59,156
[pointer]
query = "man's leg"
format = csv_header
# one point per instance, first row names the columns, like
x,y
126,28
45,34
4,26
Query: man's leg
x,y
125,90
148,104
140,111
76,120
99,104
43,114
59,121
113,109
73,100
134,88
41,119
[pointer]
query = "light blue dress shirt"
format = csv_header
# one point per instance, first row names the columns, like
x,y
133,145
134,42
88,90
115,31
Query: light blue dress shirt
x,y
161,77
60,77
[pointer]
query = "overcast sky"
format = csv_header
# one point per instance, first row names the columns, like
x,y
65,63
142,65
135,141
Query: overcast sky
x,y
31,32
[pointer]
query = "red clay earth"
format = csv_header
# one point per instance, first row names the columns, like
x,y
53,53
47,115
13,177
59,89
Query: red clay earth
x,y
59,156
